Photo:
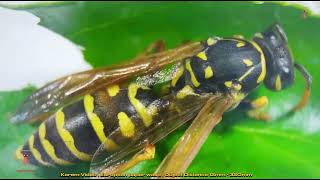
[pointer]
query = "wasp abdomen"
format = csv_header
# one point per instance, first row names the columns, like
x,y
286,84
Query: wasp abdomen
x,y
112,116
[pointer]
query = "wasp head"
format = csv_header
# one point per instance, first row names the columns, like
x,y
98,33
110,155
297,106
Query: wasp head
x,y
279,62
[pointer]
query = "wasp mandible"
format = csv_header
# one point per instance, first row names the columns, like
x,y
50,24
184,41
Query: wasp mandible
x,y
113,116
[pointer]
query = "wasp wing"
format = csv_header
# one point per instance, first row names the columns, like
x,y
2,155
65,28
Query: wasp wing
x,y
185,150
68,89
171,120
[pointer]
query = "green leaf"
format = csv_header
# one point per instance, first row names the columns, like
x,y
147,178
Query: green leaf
x,y
114,32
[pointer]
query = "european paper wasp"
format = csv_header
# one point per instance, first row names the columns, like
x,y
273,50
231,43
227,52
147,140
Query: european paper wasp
x,y
113,116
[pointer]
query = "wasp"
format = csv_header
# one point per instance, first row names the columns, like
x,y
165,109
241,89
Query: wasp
x,y
114,116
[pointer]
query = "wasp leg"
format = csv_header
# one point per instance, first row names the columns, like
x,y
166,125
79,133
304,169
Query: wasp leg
x,y
146,154
308,80
253,108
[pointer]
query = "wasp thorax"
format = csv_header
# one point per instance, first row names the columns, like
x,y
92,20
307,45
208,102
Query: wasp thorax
x,y
226,64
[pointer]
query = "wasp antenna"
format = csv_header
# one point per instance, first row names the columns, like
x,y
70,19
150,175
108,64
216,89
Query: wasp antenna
x,y
308,79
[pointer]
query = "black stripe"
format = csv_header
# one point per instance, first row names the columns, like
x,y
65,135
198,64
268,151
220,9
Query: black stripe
x,y
54,138
78,124
198,66
107,110
37,144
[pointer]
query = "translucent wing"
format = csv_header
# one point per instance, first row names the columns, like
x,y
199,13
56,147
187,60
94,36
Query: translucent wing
x,y
185,150
173,118
67,89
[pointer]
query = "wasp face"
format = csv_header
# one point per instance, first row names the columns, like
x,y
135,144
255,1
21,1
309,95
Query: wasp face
x,y
279,63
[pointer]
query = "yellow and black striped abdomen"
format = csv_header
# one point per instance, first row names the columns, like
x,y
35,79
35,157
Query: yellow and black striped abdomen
x,y
63,138
111,115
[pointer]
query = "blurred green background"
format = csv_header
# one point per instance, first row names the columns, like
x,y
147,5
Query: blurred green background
x,y
113,32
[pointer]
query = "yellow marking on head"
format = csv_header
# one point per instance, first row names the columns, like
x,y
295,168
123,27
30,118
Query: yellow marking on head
x,y
247,62
36,154
95,121
48,147
68,139
113,90
177,76
246,74
228,84
208,72
19,154
194,80
241,44
202,55
185,91
126,125
211,41
258,35
262,61
260,102
143,112
278,83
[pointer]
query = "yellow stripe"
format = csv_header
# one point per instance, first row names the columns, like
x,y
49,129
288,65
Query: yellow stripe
x,y
262,61
96,122
194,80
247,62
144,113
19,154
278,83
113,90
202,55
246,74
208,72
187,90
177,76
49,148
36,154
68,139
126,125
